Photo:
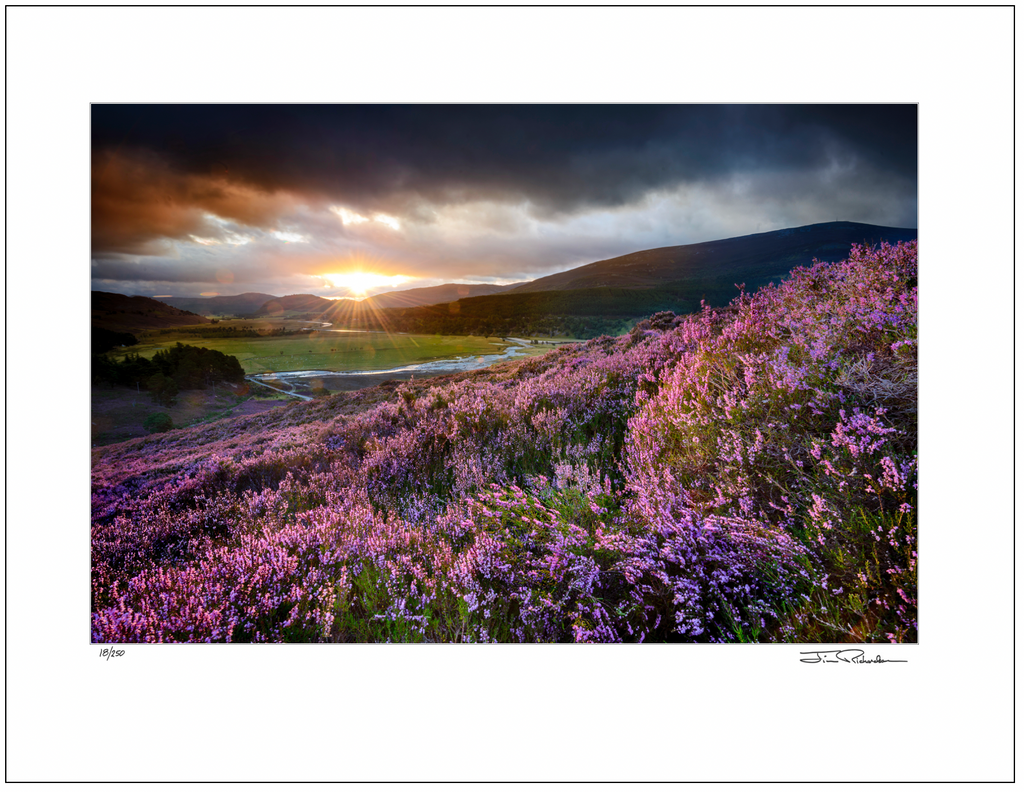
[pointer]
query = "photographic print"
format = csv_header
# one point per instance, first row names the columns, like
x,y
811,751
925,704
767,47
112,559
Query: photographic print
x,y
504,373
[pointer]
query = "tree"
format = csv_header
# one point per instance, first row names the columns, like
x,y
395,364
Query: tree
x,y
104,340
163,389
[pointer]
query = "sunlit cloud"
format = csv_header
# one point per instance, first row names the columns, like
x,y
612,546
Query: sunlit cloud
x,y
387,220
347,217
289,236
231,239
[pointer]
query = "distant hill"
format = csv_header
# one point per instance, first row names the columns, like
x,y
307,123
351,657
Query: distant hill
x,y
121,313
231,305
309,306
294,306
754,259
432,295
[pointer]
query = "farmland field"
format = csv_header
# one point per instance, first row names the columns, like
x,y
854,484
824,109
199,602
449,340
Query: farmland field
x,y
327,350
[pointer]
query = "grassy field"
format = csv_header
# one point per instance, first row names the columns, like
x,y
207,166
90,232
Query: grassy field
x,y
330,351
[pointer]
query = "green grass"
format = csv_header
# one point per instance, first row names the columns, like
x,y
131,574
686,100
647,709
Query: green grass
x,y
330,351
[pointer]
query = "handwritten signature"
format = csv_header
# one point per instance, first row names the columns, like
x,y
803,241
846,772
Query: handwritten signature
x,y
843,656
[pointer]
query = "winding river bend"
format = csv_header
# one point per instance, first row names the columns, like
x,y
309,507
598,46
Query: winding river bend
x,y
300,383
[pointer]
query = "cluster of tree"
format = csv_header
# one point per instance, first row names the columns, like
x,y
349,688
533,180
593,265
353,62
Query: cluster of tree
x,y
158,422
208,332
283,331
105,340
181,367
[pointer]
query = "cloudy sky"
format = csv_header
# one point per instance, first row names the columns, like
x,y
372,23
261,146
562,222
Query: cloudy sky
x,y
347,200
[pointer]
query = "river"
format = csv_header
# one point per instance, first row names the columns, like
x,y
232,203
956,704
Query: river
x,y
300,383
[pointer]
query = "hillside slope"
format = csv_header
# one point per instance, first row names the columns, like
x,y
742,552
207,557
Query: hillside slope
x,y
120,313
754,259
227,305
432,295
742,475
308,306
294,306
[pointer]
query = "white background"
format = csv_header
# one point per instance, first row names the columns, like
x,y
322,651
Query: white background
x,y
515,712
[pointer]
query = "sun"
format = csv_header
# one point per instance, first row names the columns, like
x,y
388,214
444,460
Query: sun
x,y
359,282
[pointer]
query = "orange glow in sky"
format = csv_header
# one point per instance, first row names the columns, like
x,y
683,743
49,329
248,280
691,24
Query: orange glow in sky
x,y
360,282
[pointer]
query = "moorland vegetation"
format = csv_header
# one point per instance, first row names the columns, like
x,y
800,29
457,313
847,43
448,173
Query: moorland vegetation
x,y
743,474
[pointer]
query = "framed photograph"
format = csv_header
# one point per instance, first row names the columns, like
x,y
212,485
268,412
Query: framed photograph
x,y
426,382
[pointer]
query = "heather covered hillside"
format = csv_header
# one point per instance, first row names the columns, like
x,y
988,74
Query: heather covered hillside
x,y
745,474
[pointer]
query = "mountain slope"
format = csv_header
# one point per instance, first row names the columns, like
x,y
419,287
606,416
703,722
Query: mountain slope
x,y
755,258
432,295
237,304
293,304
121,313
309,306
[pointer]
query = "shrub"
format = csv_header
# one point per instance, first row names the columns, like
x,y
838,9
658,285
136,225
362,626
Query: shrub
x,y
158,422
164,390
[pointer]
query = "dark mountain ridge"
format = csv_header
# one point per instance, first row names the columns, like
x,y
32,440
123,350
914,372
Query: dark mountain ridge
x,y
755,258
120,313
227,305
433,295
312,307
289,306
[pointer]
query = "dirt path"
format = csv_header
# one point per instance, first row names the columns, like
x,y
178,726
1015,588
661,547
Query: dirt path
x,y
286,392
527,341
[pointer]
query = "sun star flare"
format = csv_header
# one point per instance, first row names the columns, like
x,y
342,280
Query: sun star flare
x,y
359,282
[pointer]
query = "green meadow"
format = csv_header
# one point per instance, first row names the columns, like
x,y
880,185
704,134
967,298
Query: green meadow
x,y
326,350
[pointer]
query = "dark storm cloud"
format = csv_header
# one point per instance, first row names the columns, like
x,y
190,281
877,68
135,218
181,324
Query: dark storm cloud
x,y
141,200
157,271
168,164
